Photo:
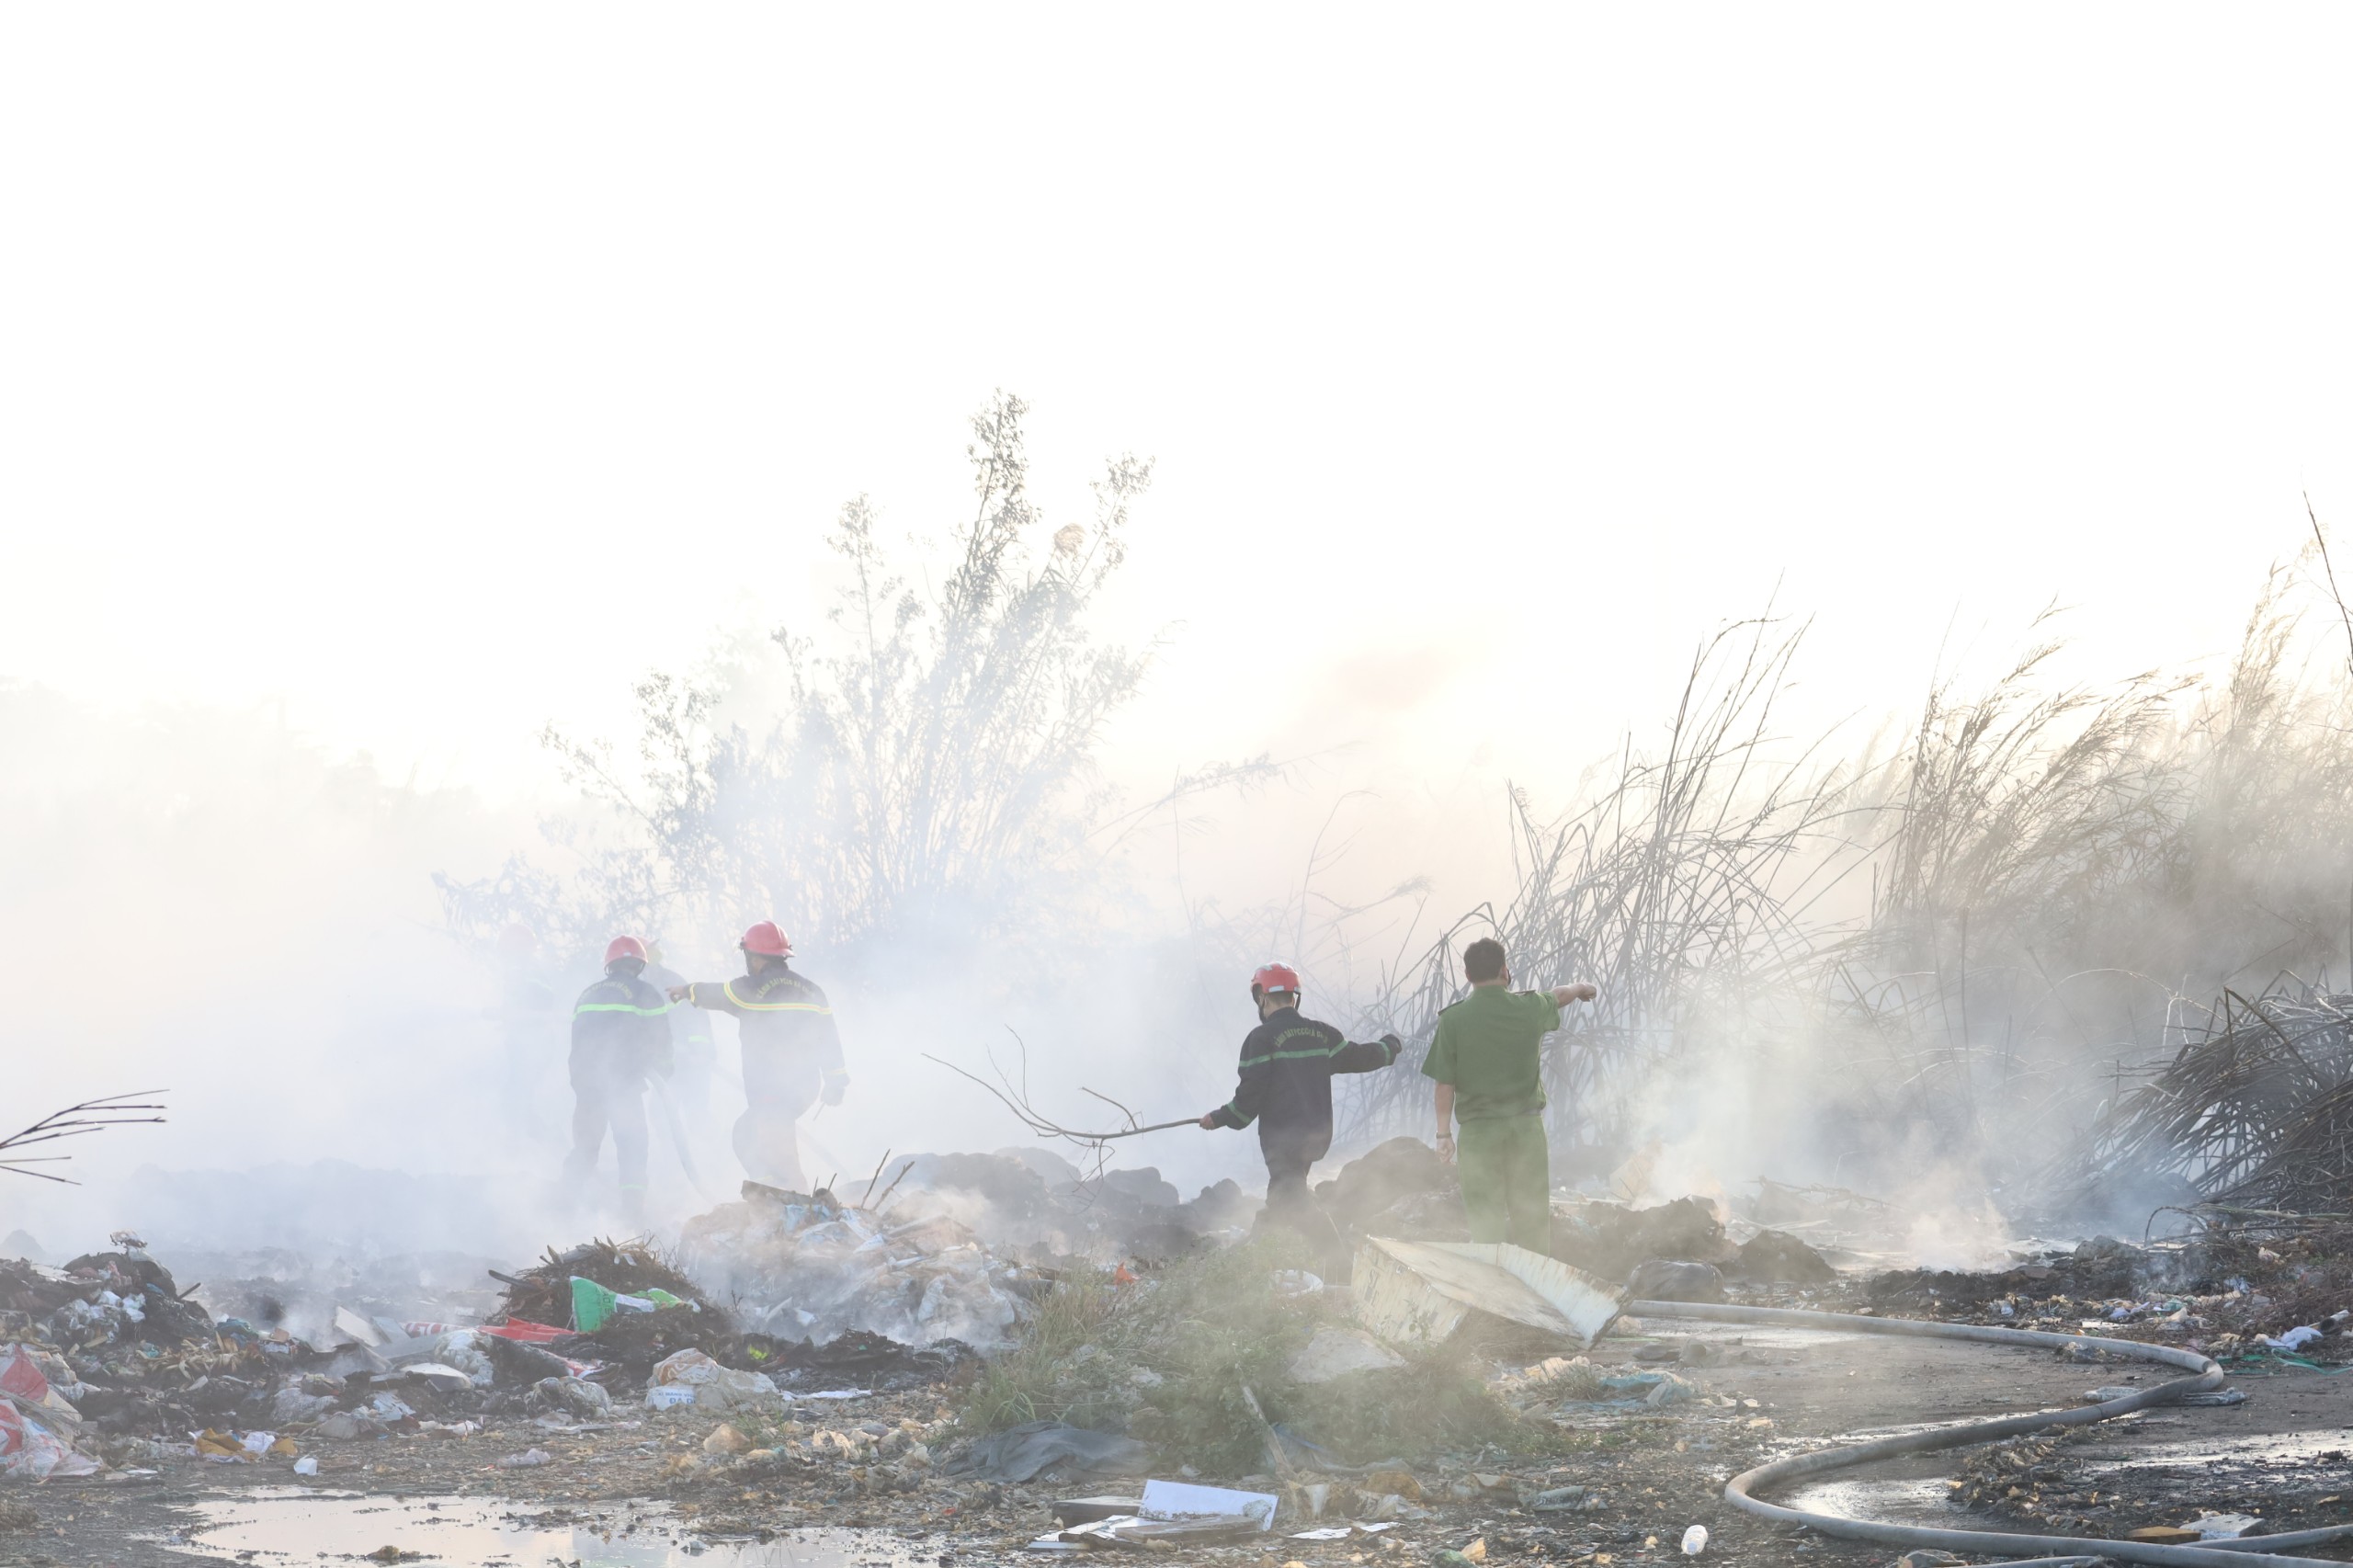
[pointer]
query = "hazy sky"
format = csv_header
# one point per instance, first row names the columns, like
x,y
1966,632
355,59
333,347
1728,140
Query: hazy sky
x,y
436,371
432,371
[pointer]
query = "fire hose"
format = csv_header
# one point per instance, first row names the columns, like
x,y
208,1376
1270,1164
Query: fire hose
x,y
1742,1489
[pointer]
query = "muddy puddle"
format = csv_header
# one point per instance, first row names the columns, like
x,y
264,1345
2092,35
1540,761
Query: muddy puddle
x,y
2268,1449
2305,1458
292,1524
1881,1502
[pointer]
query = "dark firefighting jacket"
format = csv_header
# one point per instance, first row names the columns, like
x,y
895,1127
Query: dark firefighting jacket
x,y
1287,1067
690,1036
787,1029
620,1027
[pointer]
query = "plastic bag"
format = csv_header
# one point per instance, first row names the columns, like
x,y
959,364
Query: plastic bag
x,y
717,1387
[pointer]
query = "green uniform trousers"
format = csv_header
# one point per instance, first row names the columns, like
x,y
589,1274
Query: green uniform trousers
x,y
1508,1181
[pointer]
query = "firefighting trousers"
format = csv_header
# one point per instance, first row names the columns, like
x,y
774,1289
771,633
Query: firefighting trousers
x,y
778,1092
605,1096
1292,1205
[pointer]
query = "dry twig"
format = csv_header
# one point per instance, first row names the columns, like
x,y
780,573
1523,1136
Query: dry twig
x,y
73,1121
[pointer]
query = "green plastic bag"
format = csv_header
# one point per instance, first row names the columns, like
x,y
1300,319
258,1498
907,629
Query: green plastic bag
x,y
593,1306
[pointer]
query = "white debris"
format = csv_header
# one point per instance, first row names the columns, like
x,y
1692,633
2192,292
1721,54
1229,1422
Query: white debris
x,y
824,1270
2224,1527
1336,1352
714,1387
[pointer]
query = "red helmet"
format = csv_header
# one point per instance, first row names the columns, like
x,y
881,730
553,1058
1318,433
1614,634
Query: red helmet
x,y
765,938
1274,977
623,948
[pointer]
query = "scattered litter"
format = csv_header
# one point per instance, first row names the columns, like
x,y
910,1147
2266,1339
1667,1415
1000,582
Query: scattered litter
x,y
1297,1282
1341,1532
2224,1527
2294,1339
1049,1450
357,1330
306,1465
593,1306
1183,1500
808,1267
576,1395
2211,1398
528,1459
1694,1540
1566,1500
37,1424
1666,1280
716,1388
1174,1512
442,1379
1083,1510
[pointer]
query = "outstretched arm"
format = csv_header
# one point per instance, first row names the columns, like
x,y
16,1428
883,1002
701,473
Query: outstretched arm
x,y
1368,1057
1249,1095
1446,1123
1583,990
710,994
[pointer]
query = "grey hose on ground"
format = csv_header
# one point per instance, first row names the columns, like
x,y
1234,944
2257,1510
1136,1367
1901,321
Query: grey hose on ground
x,y
1742,1490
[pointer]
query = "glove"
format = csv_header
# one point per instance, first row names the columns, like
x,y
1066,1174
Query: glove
x,y
834,1083
1394,1043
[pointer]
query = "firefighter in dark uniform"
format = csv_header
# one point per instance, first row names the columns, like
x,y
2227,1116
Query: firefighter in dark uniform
x,y
695,1051
1286,1086
792,1055
620,1036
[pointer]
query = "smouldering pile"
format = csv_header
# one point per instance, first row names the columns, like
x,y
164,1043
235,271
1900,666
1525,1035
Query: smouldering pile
x,y
811,1268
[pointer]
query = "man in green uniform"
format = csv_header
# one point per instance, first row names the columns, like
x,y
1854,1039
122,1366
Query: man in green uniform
x,y
1485,1060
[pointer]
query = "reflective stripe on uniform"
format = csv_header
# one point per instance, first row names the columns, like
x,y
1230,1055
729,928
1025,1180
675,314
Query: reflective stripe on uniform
x,y
619,1007
1279,1055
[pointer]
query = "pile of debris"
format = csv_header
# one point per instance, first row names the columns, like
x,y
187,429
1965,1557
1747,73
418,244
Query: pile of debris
x,y
108,1359
1036,1205
809,1267
1400,1189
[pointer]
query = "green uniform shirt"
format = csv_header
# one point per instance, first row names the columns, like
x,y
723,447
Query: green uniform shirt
x,y
1486,1047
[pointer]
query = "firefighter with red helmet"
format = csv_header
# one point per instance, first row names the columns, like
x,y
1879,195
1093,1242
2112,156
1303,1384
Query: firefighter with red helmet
x,y
620,1036
1288,1062
792,1054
